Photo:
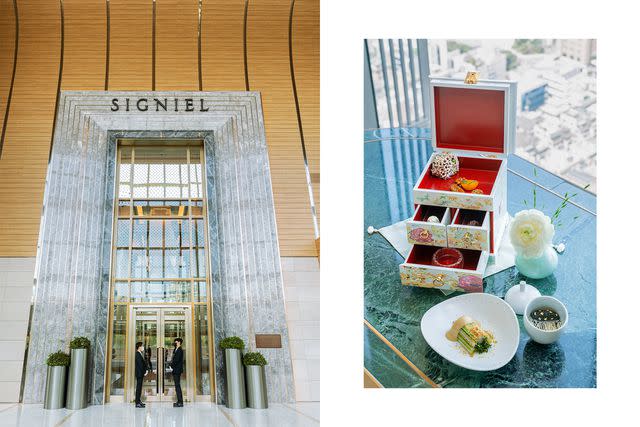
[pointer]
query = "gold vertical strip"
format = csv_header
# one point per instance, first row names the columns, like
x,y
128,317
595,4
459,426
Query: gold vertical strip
x,y
13,75
404,358
209,298
108,47
200,45
244,45
300,130
209,304
153,46
55,110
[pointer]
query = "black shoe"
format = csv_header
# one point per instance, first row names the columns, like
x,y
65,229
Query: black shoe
x,y
139,405
178,405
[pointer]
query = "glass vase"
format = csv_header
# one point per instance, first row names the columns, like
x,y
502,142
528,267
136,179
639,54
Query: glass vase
x,y
540,267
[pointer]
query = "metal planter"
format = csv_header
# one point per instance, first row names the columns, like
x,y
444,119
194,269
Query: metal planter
x,y
236,398
257,387
55,388
78,379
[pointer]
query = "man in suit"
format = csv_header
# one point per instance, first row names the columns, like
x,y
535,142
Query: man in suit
x,y
141,371
177,362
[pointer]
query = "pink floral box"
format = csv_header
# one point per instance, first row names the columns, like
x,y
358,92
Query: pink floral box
x,y
476,122
470,229
418,270
422,232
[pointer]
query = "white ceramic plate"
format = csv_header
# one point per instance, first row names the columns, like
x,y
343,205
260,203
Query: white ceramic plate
x,y
491,312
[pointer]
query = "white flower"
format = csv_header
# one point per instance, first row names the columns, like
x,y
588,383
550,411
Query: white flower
x,y
531,232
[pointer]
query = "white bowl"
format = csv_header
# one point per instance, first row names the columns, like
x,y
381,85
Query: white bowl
x,y
491,312
538,335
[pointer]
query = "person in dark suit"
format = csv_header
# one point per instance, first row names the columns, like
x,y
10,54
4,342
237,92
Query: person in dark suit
x,y
177,362
140,373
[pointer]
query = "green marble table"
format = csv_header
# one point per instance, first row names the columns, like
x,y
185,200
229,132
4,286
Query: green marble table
x,y
395,352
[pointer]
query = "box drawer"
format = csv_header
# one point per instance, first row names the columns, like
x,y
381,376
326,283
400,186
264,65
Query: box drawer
x,y
418,270
422,232
463,233
489,172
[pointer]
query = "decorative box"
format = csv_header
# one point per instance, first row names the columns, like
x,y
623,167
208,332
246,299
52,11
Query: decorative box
x,y
476,122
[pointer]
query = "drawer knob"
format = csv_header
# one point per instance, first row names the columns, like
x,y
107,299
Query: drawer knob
x,y
438,280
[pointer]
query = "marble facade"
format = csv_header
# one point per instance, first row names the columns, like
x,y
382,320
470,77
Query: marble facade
x,y
74,247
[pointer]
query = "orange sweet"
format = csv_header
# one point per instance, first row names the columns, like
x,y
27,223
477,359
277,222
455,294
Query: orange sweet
x,y
467,184
456,188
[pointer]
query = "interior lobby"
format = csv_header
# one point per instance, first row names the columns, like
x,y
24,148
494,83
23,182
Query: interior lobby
x,y
161,158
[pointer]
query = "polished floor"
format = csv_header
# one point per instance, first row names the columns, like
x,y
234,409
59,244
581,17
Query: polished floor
x,y
162,414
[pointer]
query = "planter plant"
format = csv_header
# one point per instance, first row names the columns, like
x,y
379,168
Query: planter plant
x,y
56,380
254,363
78,373
236,397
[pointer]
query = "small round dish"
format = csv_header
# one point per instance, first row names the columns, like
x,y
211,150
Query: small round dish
x,y
538,335
448,257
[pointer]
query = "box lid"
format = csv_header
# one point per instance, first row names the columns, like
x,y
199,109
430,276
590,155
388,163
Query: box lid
x,y
474,118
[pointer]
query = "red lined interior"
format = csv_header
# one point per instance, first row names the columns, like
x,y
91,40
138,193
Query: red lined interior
x,y
468,215
485,171
421,254
424,212
469,119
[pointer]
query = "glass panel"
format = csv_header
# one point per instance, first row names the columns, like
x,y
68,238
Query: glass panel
x,y
199,266
124,188
196,181
198,233
140,179
155,233
172,234
202,350
118,349
174,328
122,263
121,292
185,266
158,291
139,263
172,263
147,334
139,234
155,263
200,292
122,239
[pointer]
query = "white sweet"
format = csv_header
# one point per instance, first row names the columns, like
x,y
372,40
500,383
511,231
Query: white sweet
x,y
444,165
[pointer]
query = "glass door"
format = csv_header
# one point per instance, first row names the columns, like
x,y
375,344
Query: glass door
x,y
157,328
160,264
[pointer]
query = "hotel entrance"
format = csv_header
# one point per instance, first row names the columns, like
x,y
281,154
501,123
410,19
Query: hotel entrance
x,y
156,328
159,272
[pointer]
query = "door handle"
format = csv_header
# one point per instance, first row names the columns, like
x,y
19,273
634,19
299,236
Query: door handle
x,y
158,364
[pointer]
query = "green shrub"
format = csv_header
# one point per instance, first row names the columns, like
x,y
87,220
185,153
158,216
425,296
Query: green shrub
x,y
254,358
80,342
59,358
232,342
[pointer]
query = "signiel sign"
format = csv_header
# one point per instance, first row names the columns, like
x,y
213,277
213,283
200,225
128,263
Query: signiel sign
x,y
158,104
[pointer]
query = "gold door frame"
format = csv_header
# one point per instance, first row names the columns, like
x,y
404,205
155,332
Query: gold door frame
x,y
212,397
189,345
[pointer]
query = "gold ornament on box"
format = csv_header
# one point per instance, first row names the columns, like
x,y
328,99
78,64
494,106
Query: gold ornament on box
x,y
444,165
